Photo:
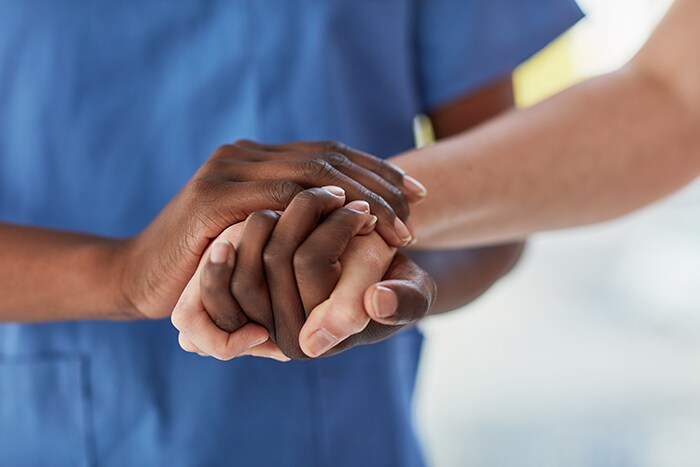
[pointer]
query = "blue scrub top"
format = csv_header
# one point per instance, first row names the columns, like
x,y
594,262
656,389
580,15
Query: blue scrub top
x,y
108,107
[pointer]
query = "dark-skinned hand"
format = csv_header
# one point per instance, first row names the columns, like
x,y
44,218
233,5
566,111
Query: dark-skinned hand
x,y
236,181
283,267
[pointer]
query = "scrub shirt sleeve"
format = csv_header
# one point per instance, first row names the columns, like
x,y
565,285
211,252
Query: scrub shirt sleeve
x,y
464,44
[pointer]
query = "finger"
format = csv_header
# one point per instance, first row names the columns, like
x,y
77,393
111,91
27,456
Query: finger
x,y
188,346
414,293
312,173
196,325
386,170
215,290
407,190
192,320
404,296
221,203
392,193
316,262
249,285
373,182
383,168
343,314
294,226
268,350
369,225
414,191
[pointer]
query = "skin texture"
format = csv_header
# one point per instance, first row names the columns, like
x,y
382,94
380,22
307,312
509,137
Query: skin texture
x,y
301,278
86,277
463,274
587,155
597,151
274,253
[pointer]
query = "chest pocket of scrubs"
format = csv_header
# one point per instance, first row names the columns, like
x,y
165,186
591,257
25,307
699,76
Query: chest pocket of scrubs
x,y
42,412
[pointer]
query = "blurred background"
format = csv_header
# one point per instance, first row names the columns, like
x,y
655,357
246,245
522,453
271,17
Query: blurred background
x,y
589,353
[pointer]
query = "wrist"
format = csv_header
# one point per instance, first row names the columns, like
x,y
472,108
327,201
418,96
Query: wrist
x,y
112,258
427,216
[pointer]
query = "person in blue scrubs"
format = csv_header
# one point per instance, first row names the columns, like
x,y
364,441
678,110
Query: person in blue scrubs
x,y
108,108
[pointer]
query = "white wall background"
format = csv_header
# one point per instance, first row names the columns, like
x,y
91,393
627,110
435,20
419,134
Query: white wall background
x,y
589,353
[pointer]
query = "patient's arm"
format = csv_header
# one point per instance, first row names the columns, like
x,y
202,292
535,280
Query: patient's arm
x,y
597,151
463,274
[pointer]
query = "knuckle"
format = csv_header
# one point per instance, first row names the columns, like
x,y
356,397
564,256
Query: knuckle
x,y
206,191
264,216
244,143
332,146
353,319
203,187
317,169
283,192
336,159
219,166
275,255
223,151
309,196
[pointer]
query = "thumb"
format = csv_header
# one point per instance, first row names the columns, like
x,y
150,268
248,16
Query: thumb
x,y
404,296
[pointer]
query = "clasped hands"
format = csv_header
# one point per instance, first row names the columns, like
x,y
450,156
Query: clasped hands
x,y
288,252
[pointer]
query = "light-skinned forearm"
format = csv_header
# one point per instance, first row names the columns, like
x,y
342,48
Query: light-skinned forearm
x,y
48,275
594,152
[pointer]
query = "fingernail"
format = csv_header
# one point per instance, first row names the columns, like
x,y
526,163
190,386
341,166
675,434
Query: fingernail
x,y
385,302
359,206
371,222
280,357
258,342
335,191
320,342
411,230
219,253
414,186
402,231
398,169
369,226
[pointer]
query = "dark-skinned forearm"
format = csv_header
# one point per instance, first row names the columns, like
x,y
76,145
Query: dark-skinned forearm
x,y
48,275
462,276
